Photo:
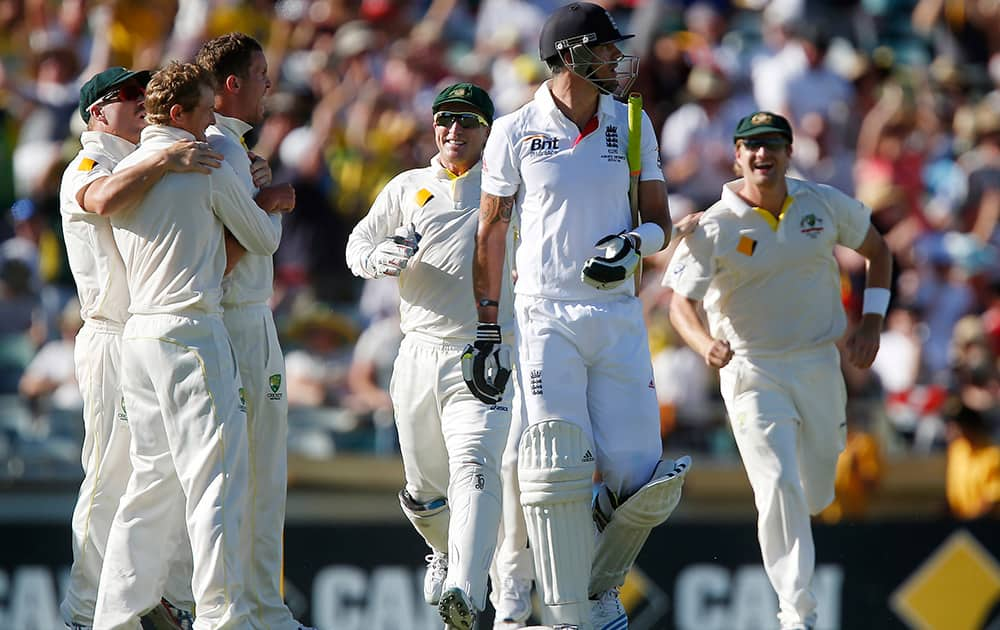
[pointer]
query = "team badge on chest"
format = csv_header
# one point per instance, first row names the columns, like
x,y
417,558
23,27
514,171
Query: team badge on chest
x,y
811,225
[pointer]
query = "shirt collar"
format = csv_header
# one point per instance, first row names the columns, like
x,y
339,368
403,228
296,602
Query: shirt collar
x,y
115,146
164,134
741,208
443,173
233,126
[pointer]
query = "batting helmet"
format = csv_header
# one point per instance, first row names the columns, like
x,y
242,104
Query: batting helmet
x,y
576,29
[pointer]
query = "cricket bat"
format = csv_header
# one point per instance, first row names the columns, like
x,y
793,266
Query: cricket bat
x,y
635,166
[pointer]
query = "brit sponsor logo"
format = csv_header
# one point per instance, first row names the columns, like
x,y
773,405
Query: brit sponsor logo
x,y
542,144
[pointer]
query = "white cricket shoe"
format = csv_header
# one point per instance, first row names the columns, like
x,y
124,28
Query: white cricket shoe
x,y
607,612
513,604
437,571
457,610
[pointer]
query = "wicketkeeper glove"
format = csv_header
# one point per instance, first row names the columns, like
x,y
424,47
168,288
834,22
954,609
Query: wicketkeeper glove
x,y
486,364
391,256
620,260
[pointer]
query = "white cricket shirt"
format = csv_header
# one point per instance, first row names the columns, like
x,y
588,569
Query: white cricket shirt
x,y
771,285
435,289
252,280
570,189
90,245
172,242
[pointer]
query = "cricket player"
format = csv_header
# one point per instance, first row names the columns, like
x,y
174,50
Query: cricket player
x,y
239,66
111,103
583,352
179,375
762,264
451,441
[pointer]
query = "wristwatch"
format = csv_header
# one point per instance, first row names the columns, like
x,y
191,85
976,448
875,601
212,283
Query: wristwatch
x,y
487,302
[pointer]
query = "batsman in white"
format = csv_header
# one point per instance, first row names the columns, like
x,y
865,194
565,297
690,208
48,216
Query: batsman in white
x,y
762,264
239,66
422,229
111,103
179,375
583,360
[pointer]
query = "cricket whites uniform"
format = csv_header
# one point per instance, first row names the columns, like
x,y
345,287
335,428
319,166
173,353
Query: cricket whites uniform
x,y
584,354
771,288
181,387
250,323
451,442
99,275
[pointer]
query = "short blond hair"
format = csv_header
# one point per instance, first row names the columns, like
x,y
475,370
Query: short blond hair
x,y
177,84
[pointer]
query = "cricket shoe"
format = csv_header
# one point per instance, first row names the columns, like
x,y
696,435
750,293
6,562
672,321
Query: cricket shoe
x,y
457,610
607,612
437,572
513,604
166,616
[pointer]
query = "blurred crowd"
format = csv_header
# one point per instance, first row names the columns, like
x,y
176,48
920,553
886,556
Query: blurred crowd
x,y
896,102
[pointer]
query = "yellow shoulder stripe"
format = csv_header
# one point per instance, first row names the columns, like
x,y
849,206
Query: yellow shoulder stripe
x,y
86,164
423,196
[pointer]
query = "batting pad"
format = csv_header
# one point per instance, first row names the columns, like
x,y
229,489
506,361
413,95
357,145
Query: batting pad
x,y
555,469
474,492
429,519
631,522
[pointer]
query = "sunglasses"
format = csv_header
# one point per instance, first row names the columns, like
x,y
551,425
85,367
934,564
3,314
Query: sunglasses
x,y
772,144
127,92
465,120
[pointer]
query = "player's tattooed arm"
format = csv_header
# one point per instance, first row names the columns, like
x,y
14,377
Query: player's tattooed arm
x,y
491,249
493,209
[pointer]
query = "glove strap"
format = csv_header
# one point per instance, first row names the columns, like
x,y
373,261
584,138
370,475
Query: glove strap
x,y
488,332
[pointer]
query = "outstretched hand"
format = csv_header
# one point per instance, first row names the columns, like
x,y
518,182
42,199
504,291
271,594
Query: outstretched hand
x,y
190,156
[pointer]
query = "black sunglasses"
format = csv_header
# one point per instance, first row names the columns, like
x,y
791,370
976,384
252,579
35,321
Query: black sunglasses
x,y
772,144
127,92
465,120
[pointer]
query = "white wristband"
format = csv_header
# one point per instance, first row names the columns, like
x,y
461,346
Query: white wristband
x,y
650,238
876,301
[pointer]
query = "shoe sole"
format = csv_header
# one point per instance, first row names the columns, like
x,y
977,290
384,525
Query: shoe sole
x,y
455,611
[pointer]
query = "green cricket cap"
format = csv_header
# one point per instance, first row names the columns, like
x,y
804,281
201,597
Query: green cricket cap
x,y
104,83
466,93
759,123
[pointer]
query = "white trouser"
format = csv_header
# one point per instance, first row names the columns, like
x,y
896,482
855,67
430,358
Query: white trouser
x,y
512,558
262,371
788,416
106,469
189,471
589,364
452,445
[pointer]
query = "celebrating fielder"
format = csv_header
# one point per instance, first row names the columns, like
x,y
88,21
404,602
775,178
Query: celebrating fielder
x,y
583,352
422,228
238,64
762,263
111,103
179,374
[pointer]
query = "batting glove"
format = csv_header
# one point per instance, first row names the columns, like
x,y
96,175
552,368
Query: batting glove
x,y
391,256
486,364
620,260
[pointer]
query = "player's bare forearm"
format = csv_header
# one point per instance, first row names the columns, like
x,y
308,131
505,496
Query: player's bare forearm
x,y
124,189
687,323
879,258
491,249
863,343
653,206
234,252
